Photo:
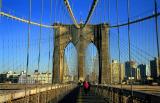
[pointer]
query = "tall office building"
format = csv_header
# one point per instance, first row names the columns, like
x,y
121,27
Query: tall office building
x,y
117,72
131,66
138,74
122,72
155,69
148,70
143,71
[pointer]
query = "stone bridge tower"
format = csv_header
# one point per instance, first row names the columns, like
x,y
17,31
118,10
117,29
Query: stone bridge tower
x,y
97,34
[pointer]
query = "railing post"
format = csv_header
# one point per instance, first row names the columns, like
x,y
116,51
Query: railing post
x,y
120,96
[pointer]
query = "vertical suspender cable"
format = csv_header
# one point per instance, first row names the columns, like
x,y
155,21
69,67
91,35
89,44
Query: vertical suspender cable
x,y
7,62
40,34
49,53
13,56
39,50
105,16
28,46
0,7
108,10
119,51
16,61
3,53
119,55
59,13
157,32
129,44
55,2
62,13
100,9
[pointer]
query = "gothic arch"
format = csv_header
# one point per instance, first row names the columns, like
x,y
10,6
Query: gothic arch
x,y
98,34
93,57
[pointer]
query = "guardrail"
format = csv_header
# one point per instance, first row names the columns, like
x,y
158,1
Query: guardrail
x,y
118,95
40,94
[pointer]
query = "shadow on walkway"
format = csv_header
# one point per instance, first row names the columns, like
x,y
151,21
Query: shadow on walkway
x,y
78,96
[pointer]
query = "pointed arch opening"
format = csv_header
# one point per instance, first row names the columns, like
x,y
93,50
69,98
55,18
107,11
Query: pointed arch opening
x,y
70,66
91,63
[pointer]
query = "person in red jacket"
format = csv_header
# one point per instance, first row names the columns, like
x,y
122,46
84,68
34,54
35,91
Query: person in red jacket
x,y
86,86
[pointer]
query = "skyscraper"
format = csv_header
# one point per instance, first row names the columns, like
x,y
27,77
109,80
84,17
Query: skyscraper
x,y
122,72
148,70
142,68
130,66
155,72
115,72
138,75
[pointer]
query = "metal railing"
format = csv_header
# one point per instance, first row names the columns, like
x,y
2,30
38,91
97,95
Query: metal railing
x,y
118,95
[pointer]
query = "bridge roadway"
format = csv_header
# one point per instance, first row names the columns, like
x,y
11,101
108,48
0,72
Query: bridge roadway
x,y
14,91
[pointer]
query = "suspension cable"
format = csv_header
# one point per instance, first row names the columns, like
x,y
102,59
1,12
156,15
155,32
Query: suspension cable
x,y
0,7
71,13
136,21
129,48
49,52
28,45
40,34
119,50
134,47
24,20
105,11
94,4
118,30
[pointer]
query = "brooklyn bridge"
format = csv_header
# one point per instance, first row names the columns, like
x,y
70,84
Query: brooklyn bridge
x,y
49,48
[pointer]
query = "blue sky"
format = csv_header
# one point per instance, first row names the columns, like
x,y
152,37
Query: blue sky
x,y
13,34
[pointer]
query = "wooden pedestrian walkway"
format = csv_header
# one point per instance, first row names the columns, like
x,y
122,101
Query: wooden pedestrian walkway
x,y
78,96
89,98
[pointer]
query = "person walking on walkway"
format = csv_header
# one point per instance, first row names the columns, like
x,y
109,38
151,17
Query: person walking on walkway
x,y
86,87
